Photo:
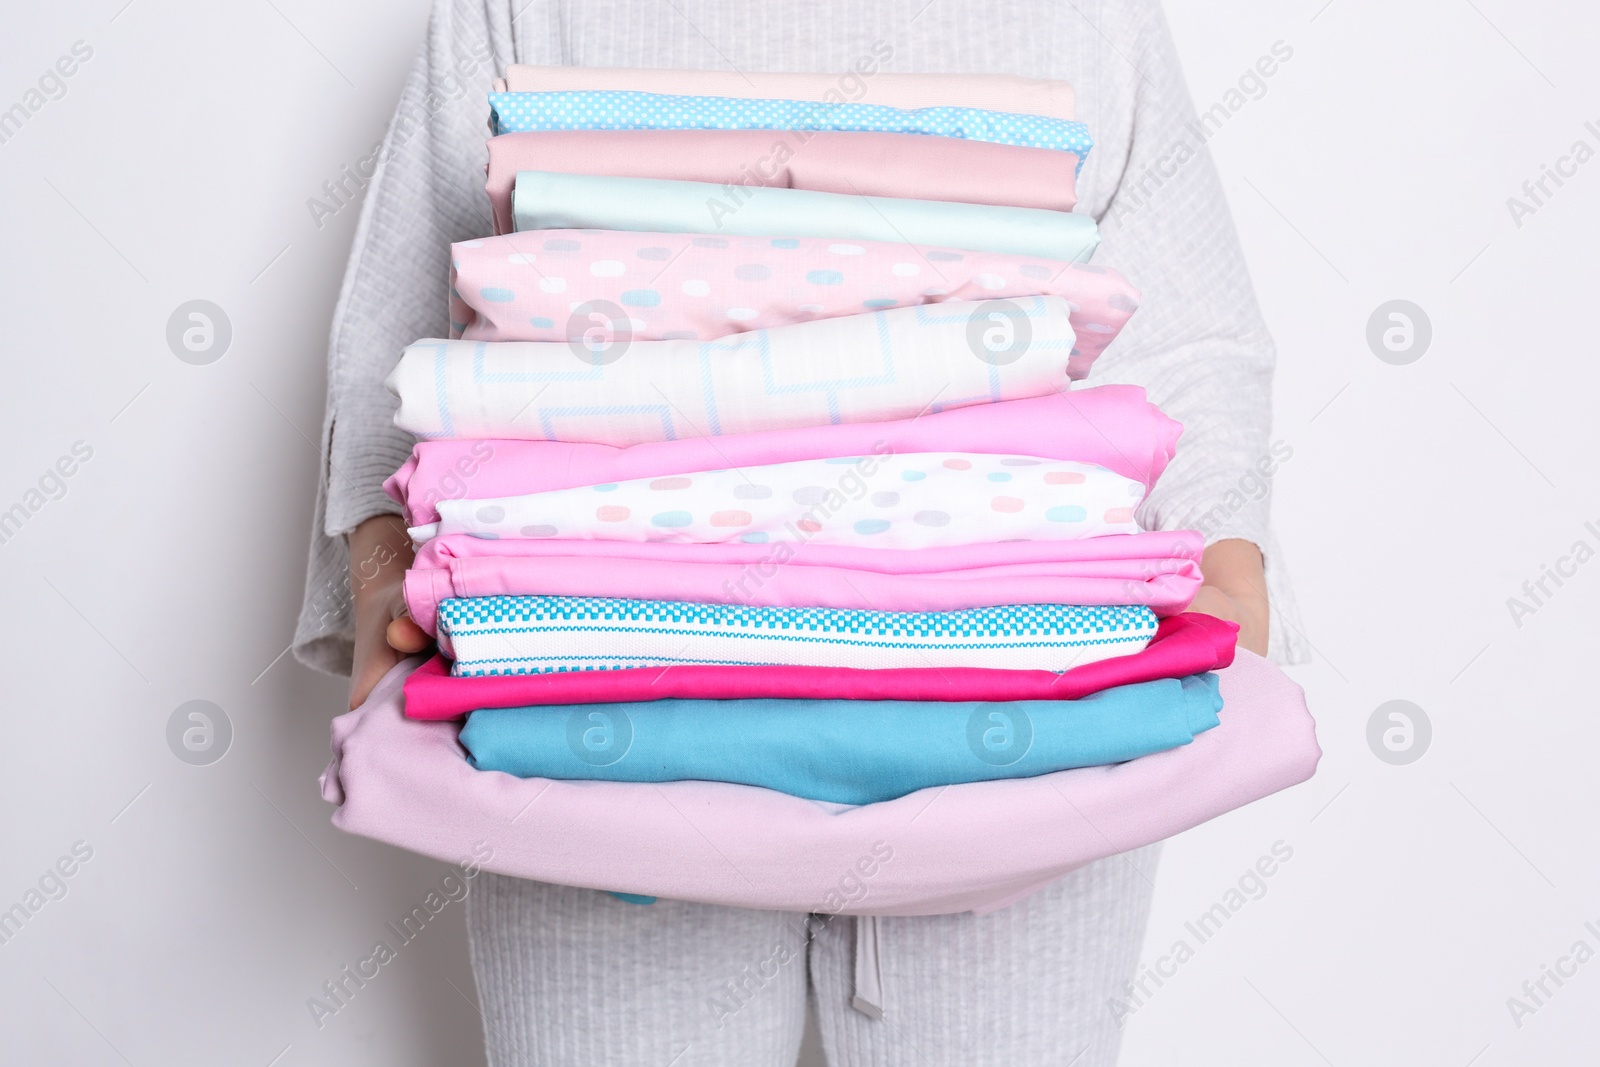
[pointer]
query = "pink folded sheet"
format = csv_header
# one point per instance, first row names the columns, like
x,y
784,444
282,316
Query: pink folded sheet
x,y
972,847
1184,645
1160,570
1112,425
523,286
864,164
865,84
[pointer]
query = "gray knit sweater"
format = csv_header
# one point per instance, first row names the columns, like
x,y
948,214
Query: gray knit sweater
x,y
1197,343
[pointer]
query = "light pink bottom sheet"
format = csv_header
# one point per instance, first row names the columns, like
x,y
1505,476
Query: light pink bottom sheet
x,y
974,847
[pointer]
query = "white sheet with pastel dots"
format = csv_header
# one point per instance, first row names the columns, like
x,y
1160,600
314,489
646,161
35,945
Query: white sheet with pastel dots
x,y
915,500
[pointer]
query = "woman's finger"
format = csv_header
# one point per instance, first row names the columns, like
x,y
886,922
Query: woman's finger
x,y
406,637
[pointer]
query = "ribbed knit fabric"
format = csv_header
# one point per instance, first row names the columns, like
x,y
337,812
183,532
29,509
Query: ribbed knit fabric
x,y
1198,343
1026,986
576,977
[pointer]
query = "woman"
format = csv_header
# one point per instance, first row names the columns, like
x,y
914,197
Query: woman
x,y
574,976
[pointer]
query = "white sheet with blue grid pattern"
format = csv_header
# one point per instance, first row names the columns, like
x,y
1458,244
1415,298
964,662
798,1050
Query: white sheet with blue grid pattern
x,y
873,367
547,634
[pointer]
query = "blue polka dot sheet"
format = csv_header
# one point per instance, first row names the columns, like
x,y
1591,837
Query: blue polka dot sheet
x,y
548,200
594,110
509,635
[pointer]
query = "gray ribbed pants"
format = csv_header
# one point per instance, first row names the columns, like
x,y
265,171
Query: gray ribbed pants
x,y
576,977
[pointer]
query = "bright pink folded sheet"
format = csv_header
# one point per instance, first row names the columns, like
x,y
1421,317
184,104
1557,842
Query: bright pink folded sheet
x,y
972,847
1184,645
1112,425
523,286
1160,570
861,164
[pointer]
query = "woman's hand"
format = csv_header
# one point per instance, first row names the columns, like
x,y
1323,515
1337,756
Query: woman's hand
x,y
380,552
1235,589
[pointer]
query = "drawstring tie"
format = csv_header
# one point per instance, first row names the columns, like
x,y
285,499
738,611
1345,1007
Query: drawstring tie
x,y
869,975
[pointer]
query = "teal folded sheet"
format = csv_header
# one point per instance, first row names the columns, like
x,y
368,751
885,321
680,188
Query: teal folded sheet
x,y
544,200
843,751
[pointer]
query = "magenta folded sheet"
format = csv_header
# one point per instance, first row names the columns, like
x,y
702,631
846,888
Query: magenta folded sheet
x,y
861,164
971,847
1110,425
1183,645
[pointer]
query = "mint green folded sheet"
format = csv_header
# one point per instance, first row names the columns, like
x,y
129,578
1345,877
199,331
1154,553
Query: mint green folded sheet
x,y
543,200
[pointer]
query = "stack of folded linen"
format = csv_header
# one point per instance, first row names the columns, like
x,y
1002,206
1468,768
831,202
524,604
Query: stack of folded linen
x,y
752,459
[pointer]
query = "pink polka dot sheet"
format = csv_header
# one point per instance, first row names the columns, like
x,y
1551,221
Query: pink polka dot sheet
x,y
561,285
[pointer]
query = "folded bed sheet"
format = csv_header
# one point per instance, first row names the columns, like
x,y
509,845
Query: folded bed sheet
x,y
501,635
1113,426
547,200
630,110
841,751
1183,645
862,368
914,500
673,286
973,847
1160,571
861,164
865,80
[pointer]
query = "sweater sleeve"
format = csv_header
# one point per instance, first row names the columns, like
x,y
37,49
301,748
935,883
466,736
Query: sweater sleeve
x,y
1198,343
424,191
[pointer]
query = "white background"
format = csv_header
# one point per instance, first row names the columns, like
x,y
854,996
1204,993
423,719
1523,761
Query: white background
x,y
1419,498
